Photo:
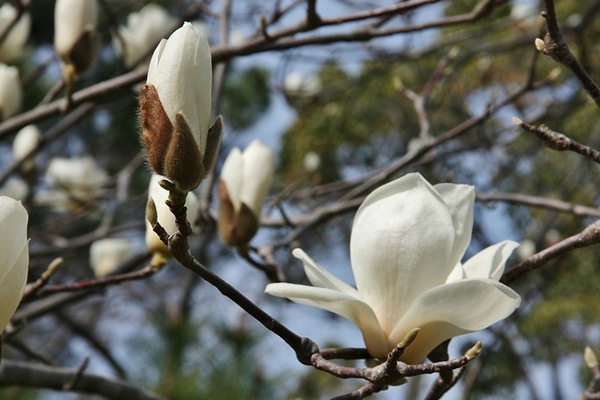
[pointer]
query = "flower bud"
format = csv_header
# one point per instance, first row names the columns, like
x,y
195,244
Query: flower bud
x,y
12,46
14,257
108,254
75,37
143,30
164,215
11,93
245,182
175,107
25,142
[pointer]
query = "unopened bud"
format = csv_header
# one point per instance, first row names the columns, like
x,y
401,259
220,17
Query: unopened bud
x,y
245,182
175,109
590,358
75,38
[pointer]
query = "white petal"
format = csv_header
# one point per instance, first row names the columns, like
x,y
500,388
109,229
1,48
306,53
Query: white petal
x,y
153,71
184,80
258,169
402,238
453,309
340,303
490,262
231,175
319,277
14,256
456,274
460,200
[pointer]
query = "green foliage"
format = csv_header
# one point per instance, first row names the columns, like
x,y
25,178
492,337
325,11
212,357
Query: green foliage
x,y
246,96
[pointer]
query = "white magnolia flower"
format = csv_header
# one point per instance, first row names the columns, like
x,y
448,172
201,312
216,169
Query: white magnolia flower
x,y
14,257
26,140
407,241
11,93
143,31
15,188
165,216
75,36
108,254
80,178
14,43
245,182
175,109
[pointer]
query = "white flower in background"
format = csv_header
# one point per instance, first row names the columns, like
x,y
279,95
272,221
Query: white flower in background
x,y
165,216
14,257
299,85
13,45
80,178
75,37
407,241
143,31
11,93
175,109
15,188
108,254
26,140
245,182
311,161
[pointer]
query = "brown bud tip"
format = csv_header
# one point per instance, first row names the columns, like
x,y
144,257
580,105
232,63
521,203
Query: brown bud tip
x,y
213,142
183,160
156,128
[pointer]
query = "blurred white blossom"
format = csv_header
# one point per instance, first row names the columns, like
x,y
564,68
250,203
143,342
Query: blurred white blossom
x,y
75,37
142,32
11,93
78,178
13,45
108,254
26,140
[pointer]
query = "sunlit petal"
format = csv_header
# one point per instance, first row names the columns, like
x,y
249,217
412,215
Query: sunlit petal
x,y
490,262
401,240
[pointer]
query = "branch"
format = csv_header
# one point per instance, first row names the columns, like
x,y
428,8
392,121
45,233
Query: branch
x,y
17,373
589,236
541,202
555,46
559,141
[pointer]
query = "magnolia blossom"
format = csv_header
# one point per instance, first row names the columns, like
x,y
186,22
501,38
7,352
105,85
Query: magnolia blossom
x,y
108,254
11,93
14,257
175,107
143,30
13,44
80,178
165,217
407,242
15,188
75,36
245,182
27,139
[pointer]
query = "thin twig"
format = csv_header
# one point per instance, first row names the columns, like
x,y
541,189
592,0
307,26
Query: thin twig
x,y
589,236
559,141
